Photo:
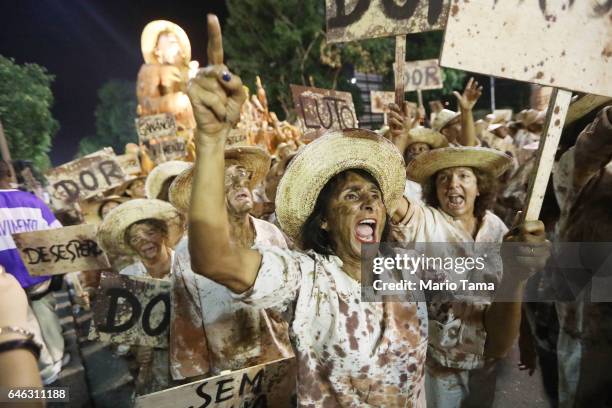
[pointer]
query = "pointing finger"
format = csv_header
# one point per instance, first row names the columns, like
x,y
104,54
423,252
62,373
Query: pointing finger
x,y
215,44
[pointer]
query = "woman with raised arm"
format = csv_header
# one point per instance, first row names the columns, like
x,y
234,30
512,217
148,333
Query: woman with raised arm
x,y
337,194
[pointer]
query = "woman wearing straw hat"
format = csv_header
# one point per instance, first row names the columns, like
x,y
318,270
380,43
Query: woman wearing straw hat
x,y
157,184
337,194
147,229
262,336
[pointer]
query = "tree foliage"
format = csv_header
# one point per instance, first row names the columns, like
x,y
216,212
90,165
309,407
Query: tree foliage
x,y
115,115
283,41
25,111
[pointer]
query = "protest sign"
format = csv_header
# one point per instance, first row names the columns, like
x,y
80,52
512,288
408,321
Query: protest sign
x,y
132,310
85,177
380,101
166,148
155,126
61,250
265,385
422,75
350,20
539,42
130,163
319,110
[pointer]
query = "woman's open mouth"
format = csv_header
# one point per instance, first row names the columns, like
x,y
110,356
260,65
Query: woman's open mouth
x,y
455,201
365,231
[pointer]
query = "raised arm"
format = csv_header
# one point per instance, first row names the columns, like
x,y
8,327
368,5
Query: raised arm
x,y
503,317
216,97
466,102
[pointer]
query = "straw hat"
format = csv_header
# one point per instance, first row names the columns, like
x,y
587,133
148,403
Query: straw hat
x,y
150,35
330,154
91,208
428,136
253,158
443,118
111,232
158,176
429,163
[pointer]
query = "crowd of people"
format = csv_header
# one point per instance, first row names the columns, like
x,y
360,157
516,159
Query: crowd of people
x,y
254,282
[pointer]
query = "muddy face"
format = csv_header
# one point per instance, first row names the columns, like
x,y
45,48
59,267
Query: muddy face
x,y
457,189
146,240
238,196
356,214
416,149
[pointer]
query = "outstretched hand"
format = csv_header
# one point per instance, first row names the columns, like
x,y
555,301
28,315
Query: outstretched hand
x,y
216,95
470,95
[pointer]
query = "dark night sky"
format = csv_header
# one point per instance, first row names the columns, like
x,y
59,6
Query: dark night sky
x,y
84,43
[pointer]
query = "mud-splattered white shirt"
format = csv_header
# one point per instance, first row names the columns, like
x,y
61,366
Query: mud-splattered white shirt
x,y
454,342
350,353
237,335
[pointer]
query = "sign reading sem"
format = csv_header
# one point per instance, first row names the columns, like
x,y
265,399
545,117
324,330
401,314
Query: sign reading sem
x,y
350,20
323,109
86,177
265,385
61,250
131,310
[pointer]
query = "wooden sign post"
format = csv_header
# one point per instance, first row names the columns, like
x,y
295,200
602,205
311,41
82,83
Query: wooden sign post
x,y
323,109
545,51
133,311
265,385
350,20
61,250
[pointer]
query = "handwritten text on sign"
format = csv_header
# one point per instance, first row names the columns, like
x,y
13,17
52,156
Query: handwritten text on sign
x,y
86,177
264,385
423,75
166,149
380,100
323,109
350,20
550,48
61,250
155,126
133,311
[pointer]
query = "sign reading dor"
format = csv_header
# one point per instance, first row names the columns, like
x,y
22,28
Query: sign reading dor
x,y
133,311
350,20
422,75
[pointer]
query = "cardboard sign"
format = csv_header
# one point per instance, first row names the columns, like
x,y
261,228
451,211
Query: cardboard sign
x,y
155,126
422,75
380,100
350,20
560,44
86,177
323,109
61,250
236,136
166,148
130,164
265,385
133,311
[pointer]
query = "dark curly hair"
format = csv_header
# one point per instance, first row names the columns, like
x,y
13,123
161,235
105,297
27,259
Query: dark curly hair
x,y
316,238
488,187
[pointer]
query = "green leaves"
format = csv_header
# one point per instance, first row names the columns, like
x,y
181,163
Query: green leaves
x,y
25,111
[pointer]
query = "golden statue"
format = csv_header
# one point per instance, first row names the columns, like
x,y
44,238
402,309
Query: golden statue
x,y
162,80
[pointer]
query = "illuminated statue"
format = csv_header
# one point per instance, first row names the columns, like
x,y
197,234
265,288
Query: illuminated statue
x,y
162,80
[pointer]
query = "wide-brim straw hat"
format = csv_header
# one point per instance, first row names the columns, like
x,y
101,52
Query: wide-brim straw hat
x,y
162,172
327,156
111,232
428,136
150,35
443,118
422,167
254,159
